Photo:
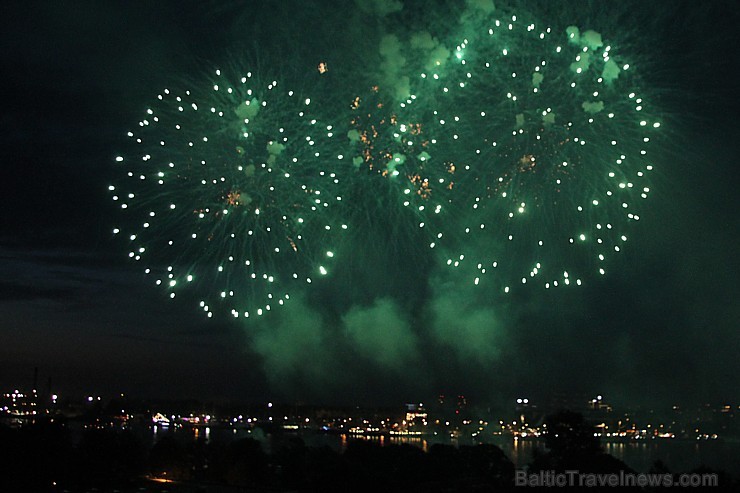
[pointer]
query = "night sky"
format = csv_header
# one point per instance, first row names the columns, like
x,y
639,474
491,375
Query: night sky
x,y
660,328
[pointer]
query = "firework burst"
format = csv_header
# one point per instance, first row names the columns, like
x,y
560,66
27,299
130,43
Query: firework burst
x,y
550,135
228,188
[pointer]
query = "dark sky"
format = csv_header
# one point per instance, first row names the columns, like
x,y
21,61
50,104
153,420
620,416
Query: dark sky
x,y
661,328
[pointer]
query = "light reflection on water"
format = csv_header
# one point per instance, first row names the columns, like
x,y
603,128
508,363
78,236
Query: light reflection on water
x,y
677,455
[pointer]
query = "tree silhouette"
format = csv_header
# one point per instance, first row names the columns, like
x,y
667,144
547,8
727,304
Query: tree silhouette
x,y
569,434
573,444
